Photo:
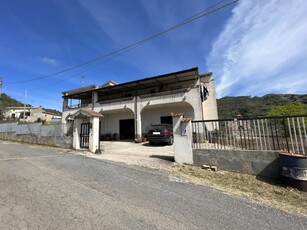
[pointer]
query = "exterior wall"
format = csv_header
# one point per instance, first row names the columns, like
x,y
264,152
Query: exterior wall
x,y
110,121
35,114
114,105
76,133
209,106
50,117
149,109
94,135
264,164
182,140
17,113
150,105
152,115
261,163
61,142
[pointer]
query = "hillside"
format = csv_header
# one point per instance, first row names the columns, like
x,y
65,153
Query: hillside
x,y
7,101
247,106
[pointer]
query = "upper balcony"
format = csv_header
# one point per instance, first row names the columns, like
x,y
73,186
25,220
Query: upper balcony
x,y
169,87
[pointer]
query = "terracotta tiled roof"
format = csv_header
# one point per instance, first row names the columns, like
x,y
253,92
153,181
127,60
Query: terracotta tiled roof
x,y
87,113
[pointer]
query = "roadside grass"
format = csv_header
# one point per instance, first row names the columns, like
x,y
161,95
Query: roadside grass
x,y
271,193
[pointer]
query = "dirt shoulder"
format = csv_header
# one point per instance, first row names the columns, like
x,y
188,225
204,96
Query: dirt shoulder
x,y
249,186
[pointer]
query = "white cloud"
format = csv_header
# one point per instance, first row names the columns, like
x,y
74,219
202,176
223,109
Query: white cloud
x,y
49,61
262,49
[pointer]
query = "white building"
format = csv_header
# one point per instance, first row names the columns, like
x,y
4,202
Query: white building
x,y
128,109
30,114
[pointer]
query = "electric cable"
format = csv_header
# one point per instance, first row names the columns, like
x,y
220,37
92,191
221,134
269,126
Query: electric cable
x,y
197,16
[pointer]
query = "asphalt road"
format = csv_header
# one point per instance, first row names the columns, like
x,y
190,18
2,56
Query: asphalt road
x,y
42,188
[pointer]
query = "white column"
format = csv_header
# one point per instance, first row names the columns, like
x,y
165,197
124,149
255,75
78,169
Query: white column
x,y
137,119
94,135
182,140
94,99
76,133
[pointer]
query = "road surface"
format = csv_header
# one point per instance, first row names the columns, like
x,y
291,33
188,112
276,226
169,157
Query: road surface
x,y
42,188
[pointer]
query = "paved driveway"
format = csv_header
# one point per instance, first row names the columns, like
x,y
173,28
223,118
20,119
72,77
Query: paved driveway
x,y
157,156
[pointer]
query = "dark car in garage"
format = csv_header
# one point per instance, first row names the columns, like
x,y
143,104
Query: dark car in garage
x,y
160,133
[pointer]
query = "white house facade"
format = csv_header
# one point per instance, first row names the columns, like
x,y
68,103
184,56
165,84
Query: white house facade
x,y
128,109
30,114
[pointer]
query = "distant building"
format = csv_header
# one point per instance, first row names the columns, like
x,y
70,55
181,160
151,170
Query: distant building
x,y
30,114
128,109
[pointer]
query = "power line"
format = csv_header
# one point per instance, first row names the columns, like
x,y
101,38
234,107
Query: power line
x,y
76,74
197,16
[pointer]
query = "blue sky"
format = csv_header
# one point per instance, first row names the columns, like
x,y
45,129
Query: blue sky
x,y
252,47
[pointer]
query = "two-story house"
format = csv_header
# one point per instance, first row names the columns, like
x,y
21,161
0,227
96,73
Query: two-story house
x,y
129,108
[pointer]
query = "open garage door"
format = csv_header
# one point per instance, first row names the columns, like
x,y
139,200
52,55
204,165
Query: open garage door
x,y
126,129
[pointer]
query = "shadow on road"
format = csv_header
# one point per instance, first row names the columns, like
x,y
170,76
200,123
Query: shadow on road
x,y
166,158
155,144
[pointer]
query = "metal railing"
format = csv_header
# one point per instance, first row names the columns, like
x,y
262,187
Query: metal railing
x,y
267,133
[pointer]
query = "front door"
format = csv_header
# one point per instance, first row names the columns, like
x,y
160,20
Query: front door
x,y
85,135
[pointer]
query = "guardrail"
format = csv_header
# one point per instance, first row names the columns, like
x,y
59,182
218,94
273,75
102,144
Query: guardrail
x,y
286,134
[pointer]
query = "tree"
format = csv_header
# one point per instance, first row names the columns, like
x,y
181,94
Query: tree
x,y
292,109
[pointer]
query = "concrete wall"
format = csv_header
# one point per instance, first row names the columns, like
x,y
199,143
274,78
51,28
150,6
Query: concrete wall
x,y
110,121
188,101
264,164
152,115
209,105
62,142
182,140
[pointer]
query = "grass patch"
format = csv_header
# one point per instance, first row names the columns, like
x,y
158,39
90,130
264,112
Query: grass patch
x,y
272,193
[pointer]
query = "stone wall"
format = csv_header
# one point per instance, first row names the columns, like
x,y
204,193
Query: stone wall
x,y
264,164
61,142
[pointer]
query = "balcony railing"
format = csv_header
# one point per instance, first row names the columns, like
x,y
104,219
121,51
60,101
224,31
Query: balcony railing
x,y
286,134
178,92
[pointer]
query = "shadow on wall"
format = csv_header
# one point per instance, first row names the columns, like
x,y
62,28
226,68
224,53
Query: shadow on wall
x,y
263,164
270,173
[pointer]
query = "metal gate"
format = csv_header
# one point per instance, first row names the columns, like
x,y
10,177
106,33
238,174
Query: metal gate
x,y
84,135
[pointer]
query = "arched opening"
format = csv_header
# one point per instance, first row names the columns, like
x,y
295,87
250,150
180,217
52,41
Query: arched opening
x,y
117,125
158,114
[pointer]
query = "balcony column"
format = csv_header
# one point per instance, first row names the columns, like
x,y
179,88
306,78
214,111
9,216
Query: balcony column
x,y
94,99
65,104
137,120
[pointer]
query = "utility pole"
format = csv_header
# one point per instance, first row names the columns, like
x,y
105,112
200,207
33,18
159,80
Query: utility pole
x,y
24,107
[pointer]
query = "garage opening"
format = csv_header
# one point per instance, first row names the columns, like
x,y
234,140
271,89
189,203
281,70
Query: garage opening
x,y
126,129
166,120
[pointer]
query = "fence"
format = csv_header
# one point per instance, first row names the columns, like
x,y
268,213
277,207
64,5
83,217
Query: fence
x,y
38,129
268,133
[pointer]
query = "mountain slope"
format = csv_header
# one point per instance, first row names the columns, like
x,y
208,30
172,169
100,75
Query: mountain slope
x,y
7,101
247,106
